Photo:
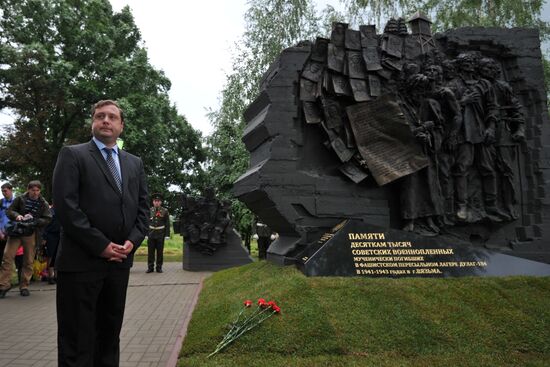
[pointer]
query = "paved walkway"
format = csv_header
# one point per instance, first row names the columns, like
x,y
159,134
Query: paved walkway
x,y
158,310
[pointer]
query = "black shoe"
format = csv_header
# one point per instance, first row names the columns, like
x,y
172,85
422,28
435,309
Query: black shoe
x,y
25,292
3,292
51,280
149,271
159,270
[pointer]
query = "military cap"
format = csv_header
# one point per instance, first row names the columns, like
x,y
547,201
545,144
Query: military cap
x,y
156,196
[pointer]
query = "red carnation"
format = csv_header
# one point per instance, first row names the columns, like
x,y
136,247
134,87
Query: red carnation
x,y
251,319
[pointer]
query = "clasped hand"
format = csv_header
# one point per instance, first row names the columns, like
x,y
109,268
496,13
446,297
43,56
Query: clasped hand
x,y
117,253
20,217
470,97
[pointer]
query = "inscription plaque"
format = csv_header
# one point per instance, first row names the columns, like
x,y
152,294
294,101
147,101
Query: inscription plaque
x,y
353,39
313,71
356,68
354,248
308,90
372,59
359,88
336,58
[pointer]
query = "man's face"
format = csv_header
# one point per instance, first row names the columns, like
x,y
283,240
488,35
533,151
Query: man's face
x,y
107,124
485,70
433,73
467,64
156,203
8,193
34,192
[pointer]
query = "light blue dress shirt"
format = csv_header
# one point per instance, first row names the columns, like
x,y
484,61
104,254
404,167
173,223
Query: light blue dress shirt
x,y
100,145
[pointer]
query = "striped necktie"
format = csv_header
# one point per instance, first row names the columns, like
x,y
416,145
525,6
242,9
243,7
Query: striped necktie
x,y
112,167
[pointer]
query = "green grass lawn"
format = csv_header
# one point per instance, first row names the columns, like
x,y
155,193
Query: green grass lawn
x,y
173,249
173,252
334,321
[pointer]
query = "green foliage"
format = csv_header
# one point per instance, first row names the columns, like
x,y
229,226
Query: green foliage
x,y
448,14
333,321
173,249
58,57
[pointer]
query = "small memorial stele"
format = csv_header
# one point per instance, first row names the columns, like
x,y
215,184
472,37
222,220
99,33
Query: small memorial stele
x,y
231,254
210,242
354,248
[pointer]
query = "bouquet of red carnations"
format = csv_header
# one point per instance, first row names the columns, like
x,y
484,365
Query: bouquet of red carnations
x,y
244,323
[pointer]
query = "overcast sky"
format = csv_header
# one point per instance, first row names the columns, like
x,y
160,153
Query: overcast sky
x,y
192,42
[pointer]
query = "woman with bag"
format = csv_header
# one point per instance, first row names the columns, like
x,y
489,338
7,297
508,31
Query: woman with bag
x,y
28,212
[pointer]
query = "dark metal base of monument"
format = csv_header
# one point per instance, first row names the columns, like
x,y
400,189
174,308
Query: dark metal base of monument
x,y
227,256
354,248
281,251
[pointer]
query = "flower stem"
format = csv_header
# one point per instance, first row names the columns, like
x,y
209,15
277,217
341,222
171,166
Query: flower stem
x,y
239,330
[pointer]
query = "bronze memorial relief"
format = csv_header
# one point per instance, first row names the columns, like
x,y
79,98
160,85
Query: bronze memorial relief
x,y
435,140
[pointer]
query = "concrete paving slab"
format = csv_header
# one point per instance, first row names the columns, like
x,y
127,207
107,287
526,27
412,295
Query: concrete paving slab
x,y
158,310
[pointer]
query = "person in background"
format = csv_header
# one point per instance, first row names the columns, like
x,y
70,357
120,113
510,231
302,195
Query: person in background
x,y
30,207
265,236
5,202
159,227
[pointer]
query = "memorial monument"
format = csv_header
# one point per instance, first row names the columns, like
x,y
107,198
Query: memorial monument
x,y
439,141
210,242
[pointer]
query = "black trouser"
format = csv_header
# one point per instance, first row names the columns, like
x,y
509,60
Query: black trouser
x,y
263,244
155,245
90,310
2,247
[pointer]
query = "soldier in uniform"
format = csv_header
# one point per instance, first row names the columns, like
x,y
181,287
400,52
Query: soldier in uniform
x,y
159,227
264,238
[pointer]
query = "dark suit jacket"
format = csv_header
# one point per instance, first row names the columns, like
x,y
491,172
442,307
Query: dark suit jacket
x,y
91,210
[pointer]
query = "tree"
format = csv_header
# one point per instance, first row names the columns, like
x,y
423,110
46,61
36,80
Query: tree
x,y
58,57
448,14
271,26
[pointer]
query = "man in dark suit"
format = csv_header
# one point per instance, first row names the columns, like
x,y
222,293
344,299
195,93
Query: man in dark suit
x,y
101,201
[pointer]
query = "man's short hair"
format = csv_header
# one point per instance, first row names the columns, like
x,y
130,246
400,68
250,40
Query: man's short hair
x,y
7,185
107,102
34,183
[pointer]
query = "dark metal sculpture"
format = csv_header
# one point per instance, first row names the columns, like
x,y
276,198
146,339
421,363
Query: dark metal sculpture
x,y
210,241
439,135
411,128
204,222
